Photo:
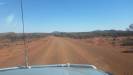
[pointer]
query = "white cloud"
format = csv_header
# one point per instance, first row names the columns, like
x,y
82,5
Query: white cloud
x,y
10,19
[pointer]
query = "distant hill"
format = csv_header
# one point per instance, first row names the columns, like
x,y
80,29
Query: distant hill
x,y
112,33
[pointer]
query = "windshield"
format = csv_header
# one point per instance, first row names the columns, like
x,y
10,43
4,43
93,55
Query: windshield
x,y
44,32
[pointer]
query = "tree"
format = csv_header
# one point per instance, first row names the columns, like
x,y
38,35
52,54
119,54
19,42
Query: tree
x,y
131,27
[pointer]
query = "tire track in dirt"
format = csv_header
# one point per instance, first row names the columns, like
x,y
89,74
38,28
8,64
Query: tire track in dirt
x,y
56,53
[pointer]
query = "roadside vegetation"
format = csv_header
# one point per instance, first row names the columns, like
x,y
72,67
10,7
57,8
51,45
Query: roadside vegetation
x,y
7,38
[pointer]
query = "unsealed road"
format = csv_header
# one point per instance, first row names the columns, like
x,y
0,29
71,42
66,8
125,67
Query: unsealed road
x,y
57,50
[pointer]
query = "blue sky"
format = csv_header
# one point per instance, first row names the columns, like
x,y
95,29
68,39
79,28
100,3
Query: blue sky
x,y
66,15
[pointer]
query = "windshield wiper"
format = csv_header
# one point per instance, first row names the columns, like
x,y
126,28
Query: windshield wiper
x,y
11,68
53,65
66,65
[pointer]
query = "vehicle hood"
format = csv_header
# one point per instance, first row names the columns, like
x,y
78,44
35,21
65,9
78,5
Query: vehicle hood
x,y
53,70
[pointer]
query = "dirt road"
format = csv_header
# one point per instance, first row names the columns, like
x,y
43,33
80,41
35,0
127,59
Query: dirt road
x,y
57,50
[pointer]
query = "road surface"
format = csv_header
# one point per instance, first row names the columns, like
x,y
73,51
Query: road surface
x,y
58,50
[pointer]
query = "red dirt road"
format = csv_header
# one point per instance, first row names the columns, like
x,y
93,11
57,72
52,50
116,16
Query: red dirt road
x,y
57,50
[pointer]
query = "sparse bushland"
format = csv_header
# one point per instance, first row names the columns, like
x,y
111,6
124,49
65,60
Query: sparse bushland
x,y
127,42
105,33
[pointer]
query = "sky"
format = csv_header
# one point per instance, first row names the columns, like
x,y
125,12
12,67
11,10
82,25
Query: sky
x,y
66,15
